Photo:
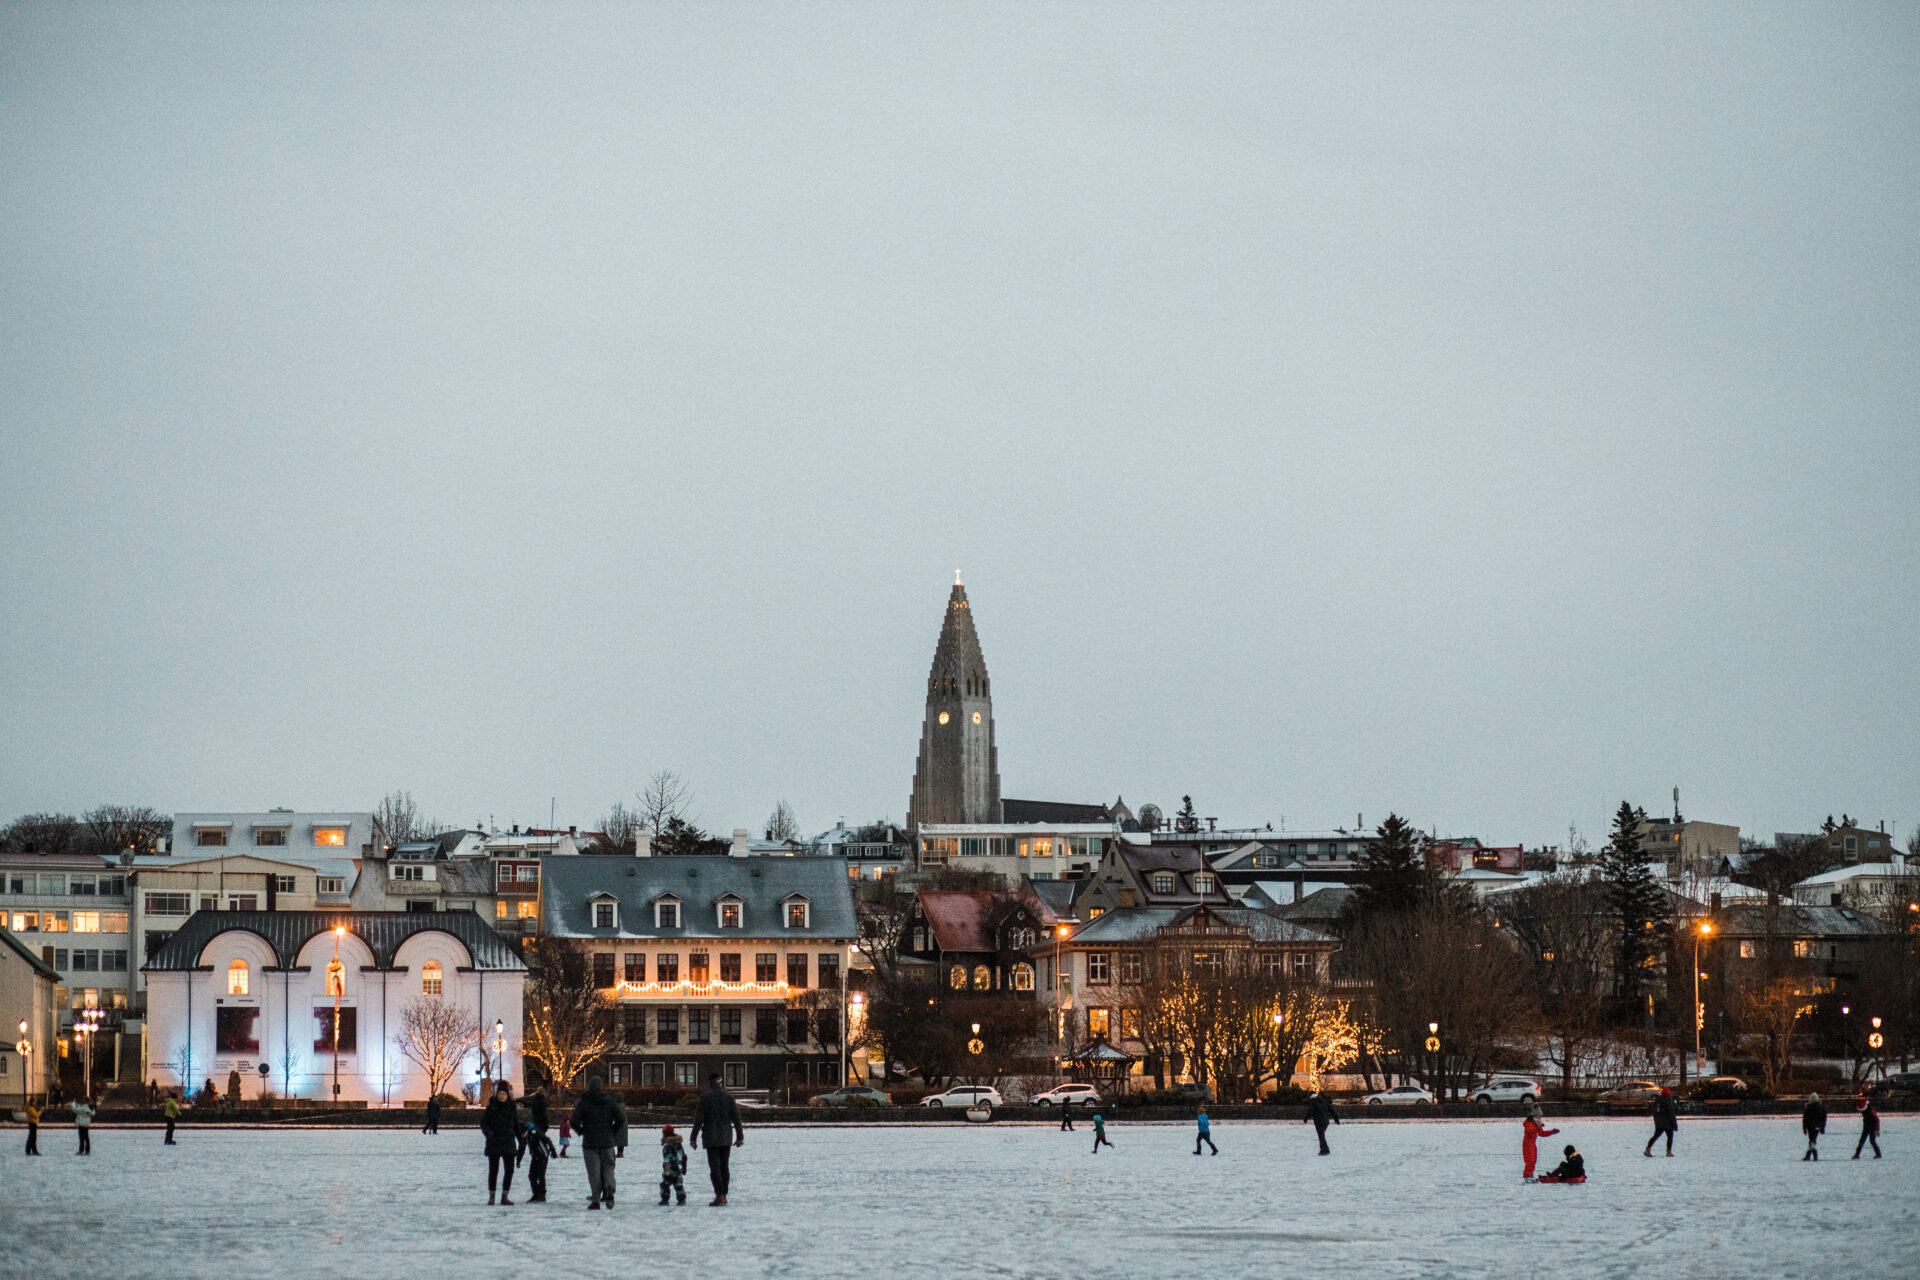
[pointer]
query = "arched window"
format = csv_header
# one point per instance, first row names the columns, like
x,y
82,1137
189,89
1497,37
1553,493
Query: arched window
x,y
957,979
982,978
237,978
336,978
430,978
1023,977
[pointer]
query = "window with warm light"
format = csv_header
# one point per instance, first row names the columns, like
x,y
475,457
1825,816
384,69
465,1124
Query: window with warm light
x,y
730,915
1747,949
1023,977
336,978
526,909
430,976
1130,1024
500,911
797,915
982,978
957,978
1097,1023
330,837
237,978
698,968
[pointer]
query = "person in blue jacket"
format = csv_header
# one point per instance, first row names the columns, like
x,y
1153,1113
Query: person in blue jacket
x,y
1205,1135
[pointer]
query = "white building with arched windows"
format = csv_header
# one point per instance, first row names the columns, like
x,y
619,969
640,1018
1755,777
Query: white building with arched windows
x,y
319,998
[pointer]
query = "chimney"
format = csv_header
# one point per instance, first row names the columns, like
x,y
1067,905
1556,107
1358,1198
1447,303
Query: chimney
x,y
740,837
643,844
573,830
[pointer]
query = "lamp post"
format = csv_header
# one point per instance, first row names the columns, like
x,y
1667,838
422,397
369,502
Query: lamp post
x,y
26,1061
1433,1048
500,1048
1699,1010
85,1027
1059,1011
336,980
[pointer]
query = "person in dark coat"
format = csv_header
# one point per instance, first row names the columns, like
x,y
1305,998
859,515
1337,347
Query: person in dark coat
x,y
1066,1116
499,1123
1665,1120
537,1108
535,1147
1813,1123
1320,1114
1570,1169
716,1122
1869,1128
601,1121
433,1115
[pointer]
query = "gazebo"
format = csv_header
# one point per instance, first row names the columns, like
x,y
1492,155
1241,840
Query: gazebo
x,y
1100,1065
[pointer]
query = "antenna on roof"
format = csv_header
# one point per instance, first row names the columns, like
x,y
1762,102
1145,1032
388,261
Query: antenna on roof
x,y
956,579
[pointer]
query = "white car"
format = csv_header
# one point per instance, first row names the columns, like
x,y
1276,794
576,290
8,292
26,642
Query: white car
x,y
1507,1089
1401,1095
1066,1095
965,1095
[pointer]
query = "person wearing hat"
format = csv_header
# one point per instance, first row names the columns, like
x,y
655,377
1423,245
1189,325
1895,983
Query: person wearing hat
x,y
1665,1120
1869,1127
1571,1169
716,1122
1813,1123
673,1166
601,1120
1532,1129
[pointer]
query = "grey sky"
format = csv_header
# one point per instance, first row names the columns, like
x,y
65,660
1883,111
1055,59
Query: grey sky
x,y
1486,414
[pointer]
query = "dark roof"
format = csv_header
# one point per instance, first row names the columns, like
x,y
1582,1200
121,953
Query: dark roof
x,y
26,953
963,919
288,931
1321,904
1053,811
1141,861
1142,924
761,883
1749,920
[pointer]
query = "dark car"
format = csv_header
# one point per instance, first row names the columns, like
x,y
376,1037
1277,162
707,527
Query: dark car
x,y
1901,1084
1194,1092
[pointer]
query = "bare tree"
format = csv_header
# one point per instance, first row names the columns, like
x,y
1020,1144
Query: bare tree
x,y
1771,1011
665,798
620,827
569,1021
437,1037
48,833
114,829
398,820
186,1065
781,824
883,922
1565,936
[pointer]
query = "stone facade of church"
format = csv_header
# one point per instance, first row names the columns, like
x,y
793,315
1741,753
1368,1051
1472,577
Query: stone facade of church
x,y
957,778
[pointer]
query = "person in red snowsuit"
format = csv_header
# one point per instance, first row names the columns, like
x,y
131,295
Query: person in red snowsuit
x,y
1530,1143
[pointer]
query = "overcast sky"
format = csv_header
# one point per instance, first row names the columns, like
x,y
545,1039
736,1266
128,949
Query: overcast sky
x,y
1486,414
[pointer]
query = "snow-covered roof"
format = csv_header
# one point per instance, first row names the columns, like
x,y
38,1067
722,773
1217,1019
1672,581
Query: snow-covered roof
x,y
1860,871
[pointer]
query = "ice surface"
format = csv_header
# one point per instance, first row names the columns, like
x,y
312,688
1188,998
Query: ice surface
x,y
1397,1198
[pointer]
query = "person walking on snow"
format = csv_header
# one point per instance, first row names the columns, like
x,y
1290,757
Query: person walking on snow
x,y
601,1119
1813,1123
673,1166
1531,1132
1869,1128
535,1144
1664,1121
83,1121
171,1110
716,1122
1205,1135
566,1134
1100,1135
1066,1116
33,1130
1320,1113
498,1125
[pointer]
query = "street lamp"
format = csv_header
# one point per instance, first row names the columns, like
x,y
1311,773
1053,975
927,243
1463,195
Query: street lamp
x,y
500,1048
1433,1048
336,980
1699,1010
1059,1012
26,1061
85,1027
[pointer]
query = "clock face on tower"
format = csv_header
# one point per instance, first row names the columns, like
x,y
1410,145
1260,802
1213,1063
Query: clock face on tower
x,y
943,717
976,717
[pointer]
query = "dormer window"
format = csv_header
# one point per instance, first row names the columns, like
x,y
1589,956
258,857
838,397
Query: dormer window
x,y
730,915
799,913
666,913
1162,881
1203,882
606,913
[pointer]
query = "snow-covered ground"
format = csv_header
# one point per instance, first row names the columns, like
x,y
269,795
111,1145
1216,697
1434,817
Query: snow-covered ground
x,y
1413,1198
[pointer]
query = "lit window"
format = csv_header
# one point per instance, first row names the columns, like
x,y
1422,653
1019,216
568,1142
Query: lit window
x,y
527,910
957,978
1094,913
430,978
729,915
1801,950
237,978
1023,977
796,915
1097,1023
500,911
1747,950
1130,1024
982,978
86,922
1042,848
330,837
336,978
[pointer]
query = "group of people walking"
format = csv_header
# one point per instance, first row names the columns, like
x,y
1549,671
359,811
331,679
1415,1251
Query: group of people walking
x,y
599,1119
1813,1123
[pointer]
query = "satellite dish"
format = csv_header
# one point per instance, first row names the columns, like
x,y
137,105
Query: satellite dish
x,y
1150,817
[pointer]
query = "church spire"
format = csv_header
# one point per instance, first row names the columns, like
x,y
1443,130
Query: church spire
x,y
957,778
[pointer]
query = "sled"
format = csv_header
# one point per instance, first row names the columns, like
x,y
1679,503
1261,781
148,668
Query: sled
x,y
1571,1182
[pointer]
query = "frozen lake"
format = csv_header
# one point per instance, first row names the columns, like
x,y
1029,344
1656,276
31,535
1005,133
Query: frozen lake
x,y
1412,1198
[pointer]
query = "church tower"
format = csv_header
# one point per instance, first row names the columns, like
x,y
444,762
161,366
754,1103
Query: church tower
x,y
958,776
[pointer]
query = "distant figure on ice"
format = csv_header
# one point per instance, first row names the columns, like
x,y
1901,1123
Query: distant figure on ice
x,y
673,1166
1813,1123
1571,1169
171,1110
1205,1134
1869,1128
1532,1130
601,1119
566,1134
1320,1113
716,1122
534,1148
1664,1121
33,1130
1100,1135
83,1121
1066,1116
433,1115
498,1124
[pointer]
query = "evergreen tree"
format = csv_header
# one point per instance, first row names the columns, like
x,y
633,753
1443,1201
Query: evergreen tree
x,y
1187,819
1395,876
1634,898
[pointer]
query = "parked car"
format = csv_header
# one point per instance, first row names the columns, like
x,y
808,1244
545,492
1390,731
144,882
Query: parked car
x,y
1898,1085
965,1095
853,1095
1402,1095
1507,1089
1634,1093
1721,1088
1066,1095
1194,1092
